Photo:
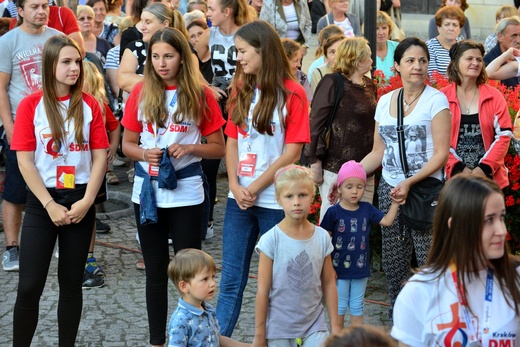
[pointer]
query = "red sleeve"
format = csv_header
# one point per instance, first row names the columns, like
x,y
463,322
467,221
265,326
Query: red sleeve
x,y
129,120
63,19
23,133
231,129
98,134
211,121
297,126
111,122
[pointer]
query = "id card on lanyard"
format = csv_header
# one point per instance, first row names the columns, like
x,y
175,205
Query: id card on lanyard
x,y
154,170
247,160
473,340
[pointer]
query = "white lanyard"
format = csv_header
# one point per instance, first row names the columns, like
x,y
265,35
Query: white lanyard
x,y
155,127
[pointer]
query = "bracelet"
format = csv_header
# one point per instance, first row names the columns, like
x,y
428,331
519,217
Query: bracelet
x,y
45,206
144,152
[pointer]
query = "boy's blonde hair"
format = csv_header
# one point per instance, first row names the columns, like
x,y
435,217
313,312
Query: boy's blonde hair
x,y
288,176
187,263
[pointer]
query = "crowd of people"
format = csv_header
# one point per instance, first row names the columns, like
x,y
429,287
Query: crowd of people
x,y
179,85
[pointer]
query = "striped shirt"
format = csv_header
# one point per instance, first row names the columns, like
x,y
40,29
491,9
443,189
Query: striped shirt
x,y
439,57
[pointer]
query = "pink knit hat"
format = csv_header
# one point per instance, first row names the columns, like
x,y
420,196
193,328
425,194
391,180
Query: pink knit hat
x,y
351,169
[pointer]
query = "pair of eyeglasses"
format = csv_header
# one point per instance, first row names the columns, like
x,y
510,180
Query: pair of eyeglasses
x,y
82,19
342,1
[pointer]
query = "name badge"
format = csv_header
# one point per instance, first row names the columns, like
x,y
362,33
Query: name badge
x,y
247,165
65,177
153,170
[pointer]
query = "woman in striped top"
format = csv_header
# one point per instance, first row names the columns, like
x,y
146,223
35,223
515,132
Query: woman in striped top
x,y
449,20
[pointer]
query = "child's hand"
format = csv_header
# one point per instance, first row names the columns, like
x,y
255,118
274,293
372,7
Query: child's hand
x,y
178,151
58,213
153,156
242,196
78,210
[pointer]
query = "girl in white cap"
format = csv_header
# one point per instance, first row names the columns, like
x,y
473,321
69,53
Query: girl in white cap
x,y
349,223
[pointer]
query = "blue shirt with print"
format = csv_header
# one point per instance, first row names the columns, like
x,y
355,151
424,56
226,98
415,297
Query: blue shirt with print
x,y
193,327
350,231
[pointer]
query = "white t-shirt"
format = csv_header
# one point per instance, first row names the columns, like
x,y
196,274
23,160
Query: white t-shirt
x,y
32,133
269,148
424,313
189,190
295,308
417,133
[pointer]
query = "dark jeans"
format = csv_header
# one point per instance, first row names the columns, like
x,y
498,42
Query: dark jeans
x,y
184,225
38,239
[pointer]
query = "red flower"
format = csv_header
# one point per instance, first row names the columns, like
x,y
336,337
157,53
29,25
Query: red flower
x,y
510,201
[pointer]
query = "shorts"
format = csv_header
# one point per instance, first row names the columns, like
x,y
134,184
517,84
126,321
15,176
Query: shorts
x,y
15,189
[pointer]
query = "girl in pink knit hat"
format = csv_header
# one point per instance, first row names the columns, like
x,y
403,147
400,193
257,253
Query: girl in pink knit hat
x,y
349,223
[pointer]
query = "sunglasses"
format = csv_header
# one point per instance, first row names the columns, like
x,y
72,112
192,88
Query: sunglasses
x,y
82,19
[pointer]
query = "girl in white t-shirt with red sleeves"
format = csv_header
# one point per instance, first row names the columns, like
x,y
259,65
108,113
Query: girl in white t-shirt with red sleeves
x,y
165,118
61,145
267,127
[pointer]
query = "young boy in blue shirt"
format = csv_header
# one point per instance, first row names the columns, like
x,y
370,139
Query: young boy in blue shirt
x,y
194,322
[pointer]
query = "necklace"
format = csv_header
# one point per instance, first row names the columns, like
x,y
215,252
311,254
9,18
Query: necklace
x,y
470,103
408,104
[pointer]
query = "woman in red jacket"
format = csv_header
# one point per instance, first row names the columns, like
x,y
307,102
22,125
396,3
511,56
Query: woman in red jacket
x,y
481,125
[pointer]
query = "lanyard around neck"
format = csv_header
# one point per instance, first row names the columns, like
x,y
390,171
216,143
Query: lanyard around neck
x,y
463,305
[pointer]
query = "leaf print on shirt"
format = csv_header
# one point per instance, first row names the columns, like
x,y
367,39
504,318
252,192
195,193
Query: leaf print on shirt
x,y
299,272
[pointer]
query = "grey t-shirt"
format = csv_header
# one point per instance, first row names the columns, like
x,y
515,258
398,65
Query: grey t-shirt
x,y
295,309
21,57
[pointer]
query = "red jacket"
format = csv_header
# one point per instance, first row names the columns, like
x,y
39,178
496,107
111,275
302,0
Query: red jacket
x,y
496,127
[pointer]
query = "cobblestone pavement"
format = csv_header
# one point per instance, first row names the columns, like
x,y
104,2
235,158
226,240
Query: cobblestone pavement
x,y
116,314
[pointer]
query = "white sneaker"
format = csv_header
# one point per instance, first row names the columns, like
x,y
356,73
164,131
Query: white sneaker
x,y
210,233
11,260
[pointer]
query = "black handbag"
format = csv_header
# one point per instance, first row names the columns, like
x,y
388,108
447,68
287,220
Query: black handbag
x,y
421,201
324,137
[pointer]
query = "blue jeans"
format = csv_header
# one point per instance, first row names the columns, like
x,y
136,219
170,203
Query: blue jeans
x,y
241,231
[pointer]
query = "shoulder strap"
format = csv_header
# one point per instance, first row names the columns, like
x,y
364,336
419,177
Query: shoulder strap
x,y
400,133
337,97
